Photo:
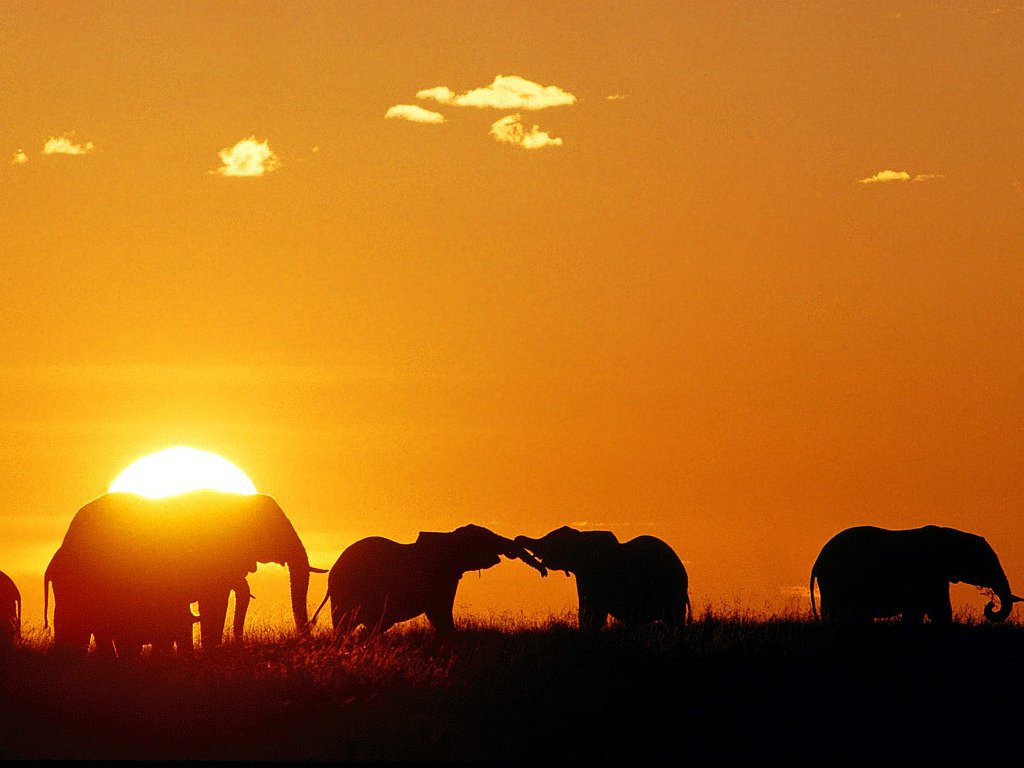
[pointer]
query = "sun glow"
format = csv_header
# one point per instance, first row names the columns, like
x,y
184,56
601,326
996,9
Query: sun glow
x,y
178,470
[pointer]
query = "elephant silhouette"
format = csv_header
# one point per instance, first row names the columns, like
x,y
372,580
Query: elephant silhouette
x,y
637,582
129,567
866,572
10,610
377,582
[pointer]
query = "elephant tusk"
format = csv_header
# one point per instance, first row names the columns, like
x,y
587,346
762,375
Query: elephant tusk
x,y
317,570
1015,599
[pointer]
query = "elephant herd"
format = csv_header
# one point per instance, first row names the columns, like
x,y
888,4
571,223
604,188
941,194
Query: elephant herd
x,y
129,569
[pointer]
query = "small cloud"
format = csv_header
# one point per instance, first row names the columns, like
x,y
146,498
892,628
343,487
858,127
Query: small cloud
x,y
506,92
929,176
413,114
20,158
511,130
315,150
886,176
248,158
63,145
438,93
617,97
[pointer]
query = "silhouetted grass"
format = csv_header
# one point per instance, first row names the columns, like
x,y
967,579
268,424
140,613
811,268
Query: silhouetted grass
x,y
732,688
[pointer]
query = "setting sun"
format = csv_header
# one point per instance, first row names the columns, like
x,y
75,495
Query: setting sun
x,y
180,469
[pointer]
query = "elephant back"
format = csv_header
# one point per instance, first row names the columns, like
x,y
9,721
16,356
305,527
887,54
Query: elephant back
x,y
372,560
653,560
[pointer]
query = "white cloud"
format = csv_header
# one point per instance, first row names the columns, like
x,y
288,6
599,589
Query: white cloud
x,y
506,92
248,158
510,129
439,93
617,96
20,158
63,145
414,114
886,176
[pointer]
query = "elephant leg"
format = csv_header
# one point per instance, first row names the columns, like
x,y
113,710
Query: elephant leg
x,y
213,610
440,612
940,609
242,597
127,646
105,645
180,636
441,619
592,616
346,615
70,630
675,616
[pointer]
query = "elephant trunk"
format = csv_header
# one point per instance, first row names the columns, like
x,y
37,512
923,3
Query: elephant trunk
x,y
516,550
1006,601
298,572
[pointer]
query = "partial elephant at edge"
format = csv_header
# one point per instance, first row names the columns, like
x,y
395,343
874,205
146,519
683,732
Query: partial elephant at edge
x,y
10,611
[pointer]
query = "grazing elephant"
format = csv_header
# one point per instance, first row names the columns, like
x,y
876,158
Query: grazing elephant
x,y
129,566
10,610
637,582
377,582
865,573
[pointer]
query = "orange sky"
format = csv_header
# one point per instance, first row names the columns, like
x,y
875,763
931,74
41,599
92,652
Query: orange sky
x,y
694,317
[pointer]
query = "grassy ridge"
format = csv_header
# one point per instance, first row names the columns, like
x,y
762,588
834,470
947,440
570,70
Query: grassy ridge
x,y
730,689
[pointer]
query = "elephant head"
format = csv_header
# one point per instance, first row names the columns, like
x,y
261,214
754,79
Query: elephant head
x,y
968,558
473,548
570,550
272,539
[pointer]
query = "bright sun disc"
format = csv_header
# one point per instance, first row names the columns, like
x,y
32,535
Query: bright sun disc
x,y
178,470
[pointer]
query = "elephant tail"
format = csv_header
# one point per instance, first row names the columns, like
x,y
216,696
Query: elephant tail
x,y
814,608
688,611
322,604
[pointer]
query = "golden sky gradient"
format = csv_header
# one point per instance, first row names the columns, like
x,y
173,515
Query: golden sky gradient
x,y
738,275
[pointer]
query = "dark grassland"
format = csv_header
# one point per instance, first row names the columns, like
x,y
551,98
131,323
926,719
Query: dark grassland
x,y
729,690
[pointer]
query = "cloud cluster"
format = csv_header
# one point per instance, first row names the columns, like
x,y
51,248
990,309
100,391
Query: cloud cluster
x,y
63,145
55,145
413,114
506,92
511,130
884,177
248,157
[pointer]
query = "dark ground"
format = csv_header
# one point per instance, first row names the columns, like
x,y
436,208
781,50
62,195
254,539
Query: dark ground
x,y
727,692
